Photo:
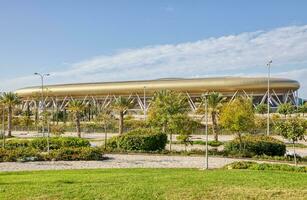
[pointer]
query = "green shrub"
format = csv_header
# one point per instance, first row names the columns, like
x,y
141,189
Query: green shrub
x,y
14,143
143,139
59,142
215,143
265,166
54,143
201,142
19,154
58,130
81,153
256,145
66,153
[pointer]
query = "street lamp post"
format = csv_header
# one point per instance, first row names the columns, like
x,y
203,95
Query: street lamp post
x,y
42,76
206,130
268,103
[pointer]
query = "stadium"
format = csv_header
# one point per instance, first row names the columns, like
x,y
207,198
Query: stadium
x,y
101,94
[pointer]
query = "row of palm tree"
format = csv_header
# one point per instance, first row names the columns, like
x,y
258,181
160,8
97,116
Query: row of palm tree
x,y
121,105
10,100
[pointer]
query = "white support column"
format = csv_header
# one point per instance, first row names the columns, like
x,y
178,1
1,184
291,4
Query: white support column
x,y
191,102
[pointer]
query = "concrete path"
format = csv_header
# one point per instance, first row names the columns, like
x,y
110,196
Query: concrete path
x,y
121,161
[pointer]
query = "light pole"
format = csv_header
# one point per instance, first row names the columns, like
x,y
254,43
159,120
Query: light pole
x,y
42,76
268,103
206,130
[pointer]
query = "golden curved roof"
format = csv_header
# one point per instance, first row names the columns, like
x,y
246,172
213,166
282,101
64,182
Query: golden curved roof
x,y
193,86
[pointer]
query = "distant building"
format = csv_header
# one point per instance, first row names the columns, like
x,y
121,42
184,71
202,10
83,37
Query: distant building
x,y
101,94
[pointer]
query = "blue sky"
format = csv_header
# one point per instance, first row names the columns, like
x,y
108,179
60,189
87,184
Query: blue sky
x,y
125,40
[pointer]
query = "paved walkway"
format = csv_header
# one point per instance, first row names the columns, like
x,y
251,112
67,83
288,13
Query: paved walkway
x,y
121,161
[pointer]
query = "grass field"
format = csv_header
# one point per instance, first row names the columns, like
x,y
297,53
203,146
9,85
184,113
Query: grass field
x,y
153,184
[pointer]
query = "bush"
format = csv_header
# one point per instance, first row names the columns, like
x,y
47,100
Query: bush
x,y
265,166
41,143
81,153
66,153
58,130
215,143
59,142
256,145
13,144
19,154
143,139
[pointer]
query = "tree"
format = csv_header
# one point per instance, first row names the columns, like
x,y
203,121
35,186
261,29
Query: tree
x,y
10,100
261,108
76,108
121,105
183,125
285,109
105,119
292,129
303,109
215,102
238,117
165,105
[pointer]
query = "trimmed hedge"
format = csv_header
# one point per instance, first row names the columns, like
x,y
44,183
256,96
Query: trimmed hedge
x,y
54,142
256,145
142,139
82,153
31,154
14,144
265,166
20,154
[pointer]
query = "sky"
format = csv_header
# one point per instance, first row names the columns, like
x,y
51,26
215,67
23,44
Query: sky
x,y
115,40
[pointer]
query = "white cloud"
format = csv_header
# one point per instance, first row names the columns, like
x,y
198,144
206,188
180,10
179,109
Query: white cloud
x,y
245,53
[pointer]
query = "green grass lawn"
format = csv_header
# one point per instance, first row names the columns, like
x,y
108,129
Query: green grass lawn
x,y
153,184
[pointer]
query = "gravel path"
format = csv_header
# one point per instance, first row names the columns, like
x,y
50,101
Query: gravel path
x,y
121,161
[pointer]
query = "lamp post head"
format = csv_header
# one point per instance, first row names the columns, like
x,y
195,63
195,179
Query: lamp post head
x,y
269,63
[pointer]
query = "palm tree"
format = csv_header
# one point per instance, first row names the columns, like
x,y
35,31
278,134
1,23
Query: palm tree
x,y
121,105
76,108
10,100
215,101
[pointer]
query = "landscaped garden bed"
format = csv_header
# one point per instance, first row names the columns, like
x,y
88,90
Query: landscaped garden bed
x,y
59,149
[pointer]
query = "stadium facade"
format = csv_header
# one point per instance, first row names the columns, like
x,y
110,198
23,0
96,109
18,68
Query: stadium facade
x,y
100,95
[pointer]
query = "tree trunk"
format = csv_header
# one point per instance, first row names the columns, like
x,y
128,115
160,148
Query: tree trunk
x,y
121,123
170,141
294,154
36,118
105,137
9,122
240,139
214,126
78,126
